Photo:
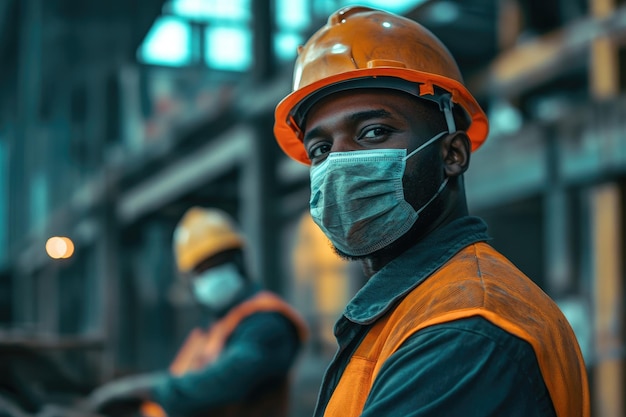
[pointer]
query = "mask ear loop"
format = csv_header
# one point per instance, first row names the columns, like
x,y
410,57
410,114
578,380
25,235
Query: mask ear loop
x,y
441,187
425,144
445,105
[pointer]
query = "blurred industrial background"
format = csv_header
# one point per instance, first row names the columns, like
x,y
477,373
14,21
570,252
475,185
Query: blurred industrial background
x,y
116,116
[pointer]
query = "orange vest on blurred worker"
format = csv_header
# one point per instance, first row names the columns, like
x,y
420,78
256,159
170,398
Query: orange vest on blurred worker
x,y
204,346
478,281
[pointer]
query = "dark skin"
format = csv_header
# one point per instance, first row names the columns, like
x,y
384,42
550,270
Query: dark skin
x,y
387,119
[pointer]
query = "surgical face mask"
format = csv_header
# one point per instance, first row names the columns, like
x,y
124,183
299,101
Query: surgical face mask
x,y
218,287
357,198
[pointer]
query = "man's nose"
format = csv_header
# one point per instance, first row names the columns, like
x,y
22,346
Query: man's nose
x,y
343,143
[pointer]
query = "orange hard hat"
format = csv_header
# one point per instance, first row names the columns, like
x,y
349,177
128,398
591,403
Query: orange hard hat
x,y
203,233
360,47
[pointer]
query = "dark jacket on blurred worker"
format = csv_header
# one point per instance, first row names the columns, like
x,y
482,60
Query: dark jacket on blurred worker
x,y
445,325
238,365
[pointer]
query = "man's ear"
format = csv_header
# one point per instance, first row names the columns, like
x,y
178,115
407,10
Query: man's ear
x,y
456,152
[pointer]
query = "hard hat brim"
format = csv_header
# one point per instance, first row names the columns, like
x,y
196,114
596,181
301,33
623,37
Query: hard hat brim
x,y
288,132
202,251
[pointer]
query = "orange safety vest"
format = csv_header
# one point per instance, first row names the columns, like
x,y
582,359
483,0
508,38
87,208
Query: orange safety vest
x,y
477,281
204,346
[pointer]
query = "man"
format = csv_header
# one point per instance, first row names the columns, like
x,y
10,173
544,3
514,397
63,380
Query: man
x,y
239,366
445,325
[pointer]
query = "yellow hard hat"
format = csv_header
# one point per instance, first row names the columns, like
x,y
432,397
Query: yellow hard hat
x,y
360,47
202,233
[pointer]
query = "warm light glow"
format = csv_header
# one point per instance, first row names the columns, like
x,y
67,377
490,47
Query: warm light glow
x,y
69,251
59,247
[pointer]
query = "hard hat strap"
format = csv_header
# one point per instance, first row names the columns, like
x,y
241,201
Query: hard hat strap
x,y
445,105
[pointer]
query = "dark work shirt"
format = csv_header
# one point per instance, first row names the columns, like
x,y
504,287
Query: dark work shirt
x,y
260,351
466,367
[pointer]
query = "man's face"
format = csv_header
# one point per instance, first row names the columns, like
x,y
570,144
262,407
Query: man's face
x,y
378,119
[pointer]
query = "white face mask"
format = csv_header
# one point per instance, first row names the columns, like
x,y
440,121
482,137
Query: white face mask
x,y
218,287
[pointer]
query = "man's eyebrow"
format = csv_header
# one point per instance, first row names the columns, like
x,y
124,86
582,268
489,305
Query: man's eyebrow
x,y
369,114
316,131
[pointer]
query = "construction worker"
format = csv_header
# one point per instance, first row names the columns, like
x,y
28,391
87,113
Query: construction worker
x,y
239,366
445,325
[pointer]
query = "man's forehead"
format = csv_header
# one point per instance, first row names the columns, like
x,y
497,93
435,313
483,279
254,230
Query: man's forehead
x,y
361,104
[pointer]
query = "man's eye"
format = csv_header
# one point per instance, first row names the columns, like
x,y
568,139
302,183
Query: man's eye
x,y
318,150
375,133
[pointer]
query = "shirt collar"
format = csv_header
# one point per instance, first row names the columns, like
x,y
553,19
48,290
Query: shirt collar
x,y
408,270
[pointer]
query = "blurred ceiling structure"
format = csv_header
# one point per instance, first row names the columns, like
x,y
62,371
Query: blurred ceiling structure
x,y
87,32
92,34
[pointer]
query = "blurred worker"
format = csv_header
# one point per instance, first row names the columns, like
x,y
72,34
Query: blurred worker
x,y
238,366
445,325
